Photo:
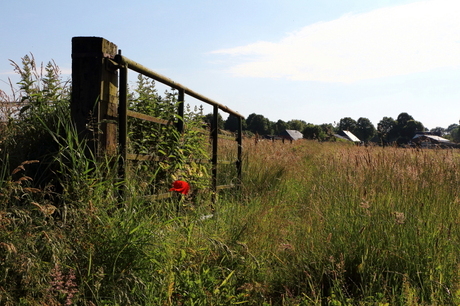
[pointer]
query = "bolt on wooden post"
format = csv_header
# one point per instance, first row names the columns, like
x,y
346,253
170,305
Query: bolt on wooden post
x,y
94,93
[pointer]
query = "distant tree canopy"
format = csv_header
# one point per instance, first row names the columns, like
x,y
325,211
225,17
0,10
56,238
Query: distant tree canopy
x,y
438,131
296,124
455,134
321,132
388,130
385,129
258,124
312,131
401,130
452,132
347,124
208,119
280,126
451,127
406,127
231,124
365,130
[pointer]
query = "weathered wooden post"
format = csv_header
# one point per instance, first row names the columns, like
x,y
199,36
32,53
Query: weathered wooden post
x,y
215,137
94,93
239,162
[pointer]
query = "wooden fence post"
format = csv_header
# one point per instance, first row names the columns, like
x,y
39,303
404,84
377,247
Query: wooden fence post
x,y
94,93
239,162
215,137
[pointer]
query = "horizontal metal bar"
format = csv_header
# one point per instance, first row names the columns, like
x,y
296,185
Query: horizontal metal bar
x,y
123,60
147,117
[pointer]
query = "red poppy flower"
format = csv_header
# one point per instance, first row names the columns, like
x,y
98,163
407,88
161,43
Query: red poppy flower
x,y
181,187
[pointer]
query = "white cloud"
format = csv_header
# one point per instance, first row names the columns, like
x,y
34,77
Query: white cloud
x,y
11,72
386,42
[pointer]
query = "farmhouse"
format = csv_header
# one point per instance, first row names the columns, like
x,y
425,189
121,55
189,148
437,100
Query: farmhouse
x,y
347,135
291,135
428,140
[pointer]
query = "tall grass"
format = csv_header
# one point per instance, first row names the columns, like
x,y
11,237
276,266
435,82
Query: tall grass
x,y
353,224
314,224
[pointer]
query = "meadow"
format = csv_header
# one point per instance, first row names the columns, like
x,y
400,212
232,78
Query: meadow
x,y
313,223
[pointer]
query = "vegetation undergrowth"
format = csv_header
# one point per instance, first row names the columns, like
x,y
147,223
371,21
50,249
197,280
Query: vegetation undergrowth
x,y
313,224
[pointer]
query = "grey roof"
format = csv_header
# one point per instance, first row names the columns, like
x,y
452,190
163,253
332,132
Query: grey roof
x,y
292,134
433,137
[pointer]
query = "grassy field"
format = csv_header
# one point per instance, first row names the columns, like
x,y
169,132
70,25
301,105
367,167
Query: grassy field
x,y
357,224
314,224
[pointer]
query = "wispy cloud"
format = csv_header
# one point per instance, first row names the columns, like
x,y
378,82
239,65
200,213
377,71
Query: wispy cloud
x,y
10,72
385,42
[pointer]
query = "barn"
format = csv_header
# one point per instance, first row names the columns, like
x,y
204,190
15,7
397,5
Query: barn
x,y
291,135
428,140
347,135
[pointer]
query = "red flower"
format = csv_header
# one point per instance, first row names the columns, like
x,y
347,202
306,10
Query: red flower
x,y
180,186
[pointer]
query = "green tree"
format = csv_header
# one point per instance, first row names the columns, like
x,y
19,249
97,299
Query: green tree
x,y
403,118
347,124
312,131
231,124
328,130
385,130
209,117
406,127
365,130
296,124
439,131
451,127
258,124
280,126
455,134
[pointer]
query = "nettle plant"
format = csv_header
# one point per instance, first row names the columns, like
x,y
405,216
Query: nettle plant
x,y
40,87
40,104
177,155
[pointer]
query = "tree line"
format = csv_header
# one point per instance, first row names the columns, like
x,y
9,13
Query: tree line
x,y
400,130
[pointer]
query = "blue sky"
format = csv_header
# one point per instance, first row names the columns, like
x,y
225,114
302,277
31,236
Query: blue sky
x,y
314,60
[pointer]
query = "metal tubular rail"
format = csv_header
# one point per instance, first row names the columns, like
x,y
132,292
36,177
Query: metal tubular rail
x,y
124,64
122,60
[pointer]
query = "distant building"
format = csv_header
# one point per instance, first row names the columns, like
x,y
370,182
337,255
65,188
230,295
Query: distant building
x,y
347,135
291,135
428,140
